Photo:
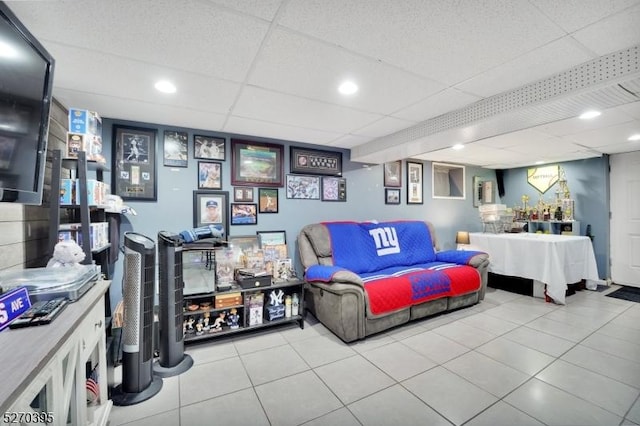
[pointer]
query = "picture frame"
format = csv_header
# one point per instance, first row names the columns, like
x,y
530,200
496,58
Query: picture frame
x,y
391,196
244,214
477,191
315,161
256,163
242,245
243,195
175,148
268,200
209,175
334,189
134,163
303,187
270,238
209,147
415,186
205,212
282,269
448,181
393,174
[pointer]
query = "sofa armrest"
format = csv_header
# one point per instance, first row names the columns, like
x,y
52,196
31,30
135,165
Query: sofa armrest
x,y
463,257
331,274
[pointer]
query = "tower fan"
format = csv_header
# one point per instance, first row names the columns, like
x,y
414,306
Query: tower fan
x,y
138,383
173,360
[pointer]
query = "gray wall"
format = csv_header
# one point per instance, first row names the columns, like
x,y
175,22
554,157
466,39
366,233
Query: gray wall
x,y
588,181
173,210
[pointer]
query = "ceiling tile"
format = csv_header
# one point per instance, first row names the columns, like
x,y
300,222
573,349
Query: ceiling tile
x,y
290,110
383,127
605,136
265,9
246,126
294,64
433,106
612,34
572,15
609,117
632,109
349,141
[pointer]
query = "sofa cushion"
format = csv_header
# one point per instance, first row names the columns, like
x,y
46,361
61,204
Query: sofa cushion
x,y
368,247
397,287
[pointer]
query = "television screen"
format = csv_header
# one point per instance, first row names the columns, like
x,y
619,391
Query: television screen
x,y
26,80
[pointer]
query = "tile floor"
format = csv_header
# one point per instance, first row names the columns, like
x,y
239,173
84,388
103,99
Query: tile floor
x,y
510,360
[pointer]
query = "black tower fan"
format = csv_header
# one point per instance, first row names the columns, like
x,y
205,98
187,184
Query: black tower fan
x,y
173,360
138,382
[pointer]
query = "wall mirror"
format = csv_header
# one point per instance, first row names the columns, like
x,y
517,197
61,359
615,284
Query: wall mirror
x,y
448,181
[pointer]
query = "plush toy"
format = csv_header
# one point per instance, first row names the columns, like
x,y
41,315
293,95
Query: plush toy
x,y
66,254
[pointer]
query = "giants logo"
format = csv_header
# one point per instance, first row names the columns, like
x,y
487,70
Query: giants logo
x,y
386,240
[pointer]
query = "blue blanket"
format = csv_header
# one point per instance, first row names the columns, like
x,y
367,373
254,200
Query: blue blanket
x,y
369,247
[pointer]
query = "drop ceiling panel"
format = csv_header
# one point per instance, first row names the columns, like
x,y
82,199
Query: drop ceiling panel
x,y
246,126
619,148
570,126
632,109
508,140
290,110
573,15
422,31
265,9
194,36
542,62
605,136
294,64
349,141
382,127
544,146
611,34
447,100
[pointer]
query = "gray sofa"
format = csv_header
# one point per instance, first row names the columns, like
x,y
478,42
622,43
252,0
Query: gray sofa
x,y
339,297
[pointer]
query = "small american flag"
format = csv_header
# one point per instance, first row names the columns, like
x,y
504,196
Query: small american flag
x,y
93,389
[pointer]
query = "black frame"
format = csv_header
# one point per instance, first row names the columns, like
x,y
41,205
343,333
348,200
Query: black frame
x,y
243,194
390,175
334,189
203,196
281,233
220,144
241,149
262,207
315,162
415,183
201,183
130,177
244,206
181,139
310,180
387,195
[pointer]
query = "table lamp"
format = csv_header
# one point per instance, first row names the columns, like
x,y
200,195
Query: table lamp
x,y
462,239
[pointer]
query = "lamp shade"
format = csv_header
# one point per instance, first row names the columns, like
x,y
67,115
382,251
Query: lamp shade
x,y
462,237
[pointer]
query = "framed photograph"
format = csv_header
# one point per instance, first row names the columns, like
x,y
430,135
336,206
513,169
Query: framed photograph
x,y
209,147
209,175
134,163
271,238
391,196
334,189
393,174
211,208
415,183
303,187
243,195
282,269
315,162
242,246
267,200
244,214
256,163
175,149
477,191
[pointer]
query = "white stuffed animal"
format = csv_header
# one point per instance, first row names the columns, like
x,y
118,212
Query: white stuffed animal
x,y
66,254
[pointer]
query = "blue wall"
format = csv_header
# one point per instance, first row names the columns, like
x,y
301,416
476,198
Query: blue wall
x,y
173,210
588,181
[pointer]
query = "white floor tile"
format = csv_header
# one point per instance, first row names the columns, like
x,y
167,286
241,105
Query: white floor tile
x,y
515,355
559,329
503,414
521,316
322,350
399,361
342,417
543,342
211,351
634,413
272,364
608,365
169,418
464,334
234,409
490,324
613,346
248,343
167,399
435,347
212,379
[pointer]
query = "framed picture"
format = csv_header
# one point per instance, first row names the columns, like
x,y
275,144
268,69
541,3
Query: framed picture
x,y
242,246
134,163
244,214
209,147
271,238
393,174
256,163
315,162
391,196
267,200
303,187
477,191
211,208
414,183
175,149
282,269
334,189
209,175
243,194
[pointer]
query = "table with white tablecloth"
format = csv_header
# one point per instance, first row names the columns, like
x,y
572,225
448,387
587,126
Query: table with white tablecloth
x,y
556,260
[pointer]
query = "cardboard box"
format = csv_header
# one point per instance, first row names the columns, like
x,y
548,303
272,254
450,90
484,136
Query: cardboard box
x,y
67,191
76,142
85,121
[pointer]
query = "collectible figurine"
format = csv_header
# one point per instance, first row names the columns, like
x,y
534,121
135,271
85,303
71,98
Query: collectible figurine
x,y
199,331
190,323
206,325
233,318
218,323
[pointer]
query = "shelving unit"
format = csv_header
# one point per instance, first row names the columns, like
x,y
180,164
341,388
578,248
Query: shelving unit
x,y
554,227
288,287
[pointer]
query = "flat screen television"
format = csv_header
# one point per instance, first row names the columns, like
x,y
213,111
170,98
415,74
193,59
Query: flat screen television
x,y
26,82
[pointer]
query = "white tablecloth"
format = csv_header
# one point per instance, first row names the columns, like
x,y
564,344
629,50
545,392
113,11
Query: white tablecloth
x,y
556,260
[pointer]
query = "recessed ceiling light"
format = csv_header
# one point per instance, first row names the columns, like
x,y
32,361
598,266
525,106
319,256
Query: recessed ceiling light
x,y
587,115
539,162
348,88
458,146
165,86
634,138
